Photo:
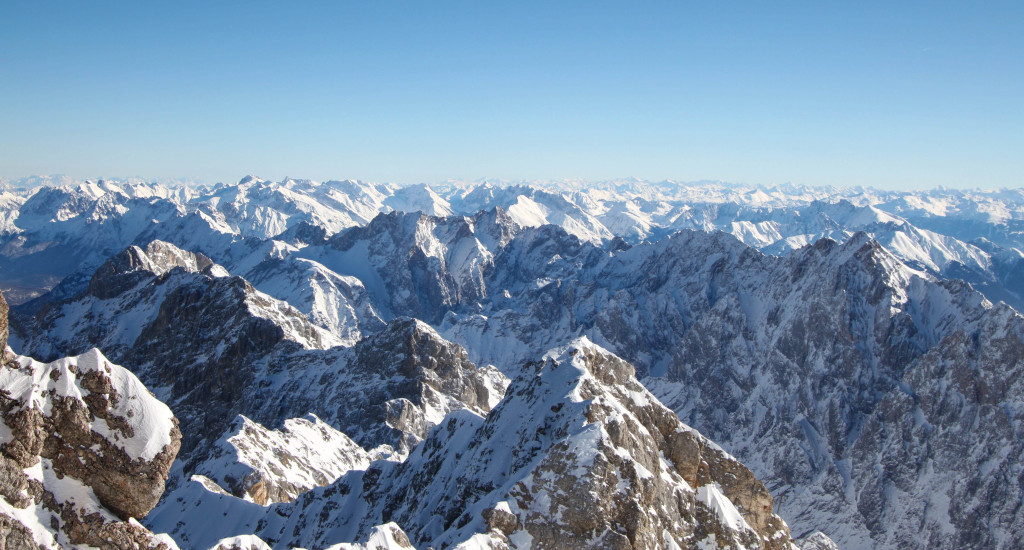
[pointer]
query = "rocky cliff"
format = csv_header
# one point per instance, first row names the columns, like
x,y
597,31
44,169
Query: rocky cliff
x,y
84,450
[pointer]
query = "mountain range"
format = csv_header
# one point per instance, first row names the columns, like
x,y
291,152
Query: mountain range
x,y
483,365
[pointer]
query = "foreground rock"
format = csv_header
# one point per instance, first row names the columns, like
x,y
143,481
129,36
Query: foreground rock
x,y
84,449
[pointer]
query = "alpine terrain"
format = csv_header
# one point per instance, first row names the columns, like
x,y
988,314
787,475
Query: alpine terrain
x,y
556,364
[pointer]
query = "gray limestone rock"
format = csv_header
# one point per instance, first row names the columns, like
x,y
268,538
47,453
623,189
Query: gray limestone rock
x,y
85,446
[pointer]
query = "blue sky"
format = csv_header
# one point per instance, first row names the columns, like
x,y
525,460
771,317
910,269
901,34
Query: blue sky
x,y
906,95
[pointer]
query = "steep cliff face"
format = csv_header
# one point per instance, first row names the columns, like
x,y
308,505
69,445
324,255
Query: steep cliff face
x,y
84,449
126,270
832,362
578,454
409,379
649,480
963,483
799,351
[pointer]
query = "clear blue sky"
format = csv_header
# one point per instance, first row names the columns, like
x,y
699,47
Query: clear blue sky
x,y
902,95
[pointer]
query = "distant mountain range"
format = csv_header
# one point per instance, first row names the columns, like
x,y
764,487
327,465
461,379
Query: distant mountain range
x,y
972,235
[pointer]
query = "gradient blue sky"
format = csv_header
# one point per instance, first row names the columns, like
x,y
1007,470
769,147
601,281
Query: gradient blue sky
x,y
895,94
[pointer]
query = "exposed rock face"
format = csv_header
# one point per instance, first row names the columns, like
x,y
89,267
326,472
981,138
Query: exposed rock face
x,y
14,535
643,445
963,400
409,379
126,270
4,329
579,454
84,447
229,327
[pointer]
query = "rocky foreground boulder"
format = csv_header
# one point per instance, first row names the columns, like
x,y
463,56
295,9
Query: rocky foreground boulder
x,y
85,449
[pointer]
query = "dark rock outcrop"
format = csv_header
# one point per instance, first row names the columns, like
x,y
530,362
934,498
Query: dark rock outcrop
x,y
409,378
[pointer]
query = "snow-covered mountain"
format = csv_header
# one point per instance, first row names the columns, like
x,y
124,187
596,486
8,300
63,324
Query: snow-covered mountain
x,y
213,347
265,466
581,414
57,229
54,231
579,455
255,207
722,331
834,341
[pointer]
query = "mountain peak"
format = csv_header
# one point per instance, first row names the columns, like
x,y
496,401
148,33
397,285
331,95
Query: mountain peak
x,y
566,460
583,355
125,269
